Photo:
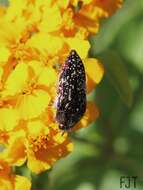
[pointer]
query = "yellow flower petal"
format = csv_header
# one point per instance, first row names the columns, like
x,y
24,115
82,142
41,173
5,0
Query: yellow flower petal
x,y
37,127
70,147
17,80
8,36
15,153
4,54
46,43
52,24
81,46
30,106
59,138
15,9
94,71
35,165
37,66
48,77
6,184
22,182
8,118
62,3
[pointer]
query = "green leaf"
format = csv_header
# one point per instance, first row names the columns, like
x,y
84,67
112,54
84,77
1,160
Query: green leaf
x,y
132,35
87,172
22,170
117,73
40,181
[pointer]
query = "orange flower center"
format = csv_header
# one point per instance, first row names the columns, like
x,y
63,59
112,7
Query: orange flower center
x,y
4,169
4,136
39,142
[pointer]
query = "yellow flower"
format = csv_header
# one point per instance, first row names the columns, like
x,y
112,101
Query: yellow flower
x,y
91,11
30,62
24,84
9,181
39,144
88,17
45,146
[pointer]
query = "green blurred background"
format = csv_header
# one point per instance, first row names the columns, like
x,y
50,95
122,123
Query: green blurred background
x,y
111,147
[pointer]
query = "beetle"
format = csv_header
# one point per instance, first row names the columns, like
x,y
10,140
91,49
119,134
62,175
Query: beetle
x,y
71,92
